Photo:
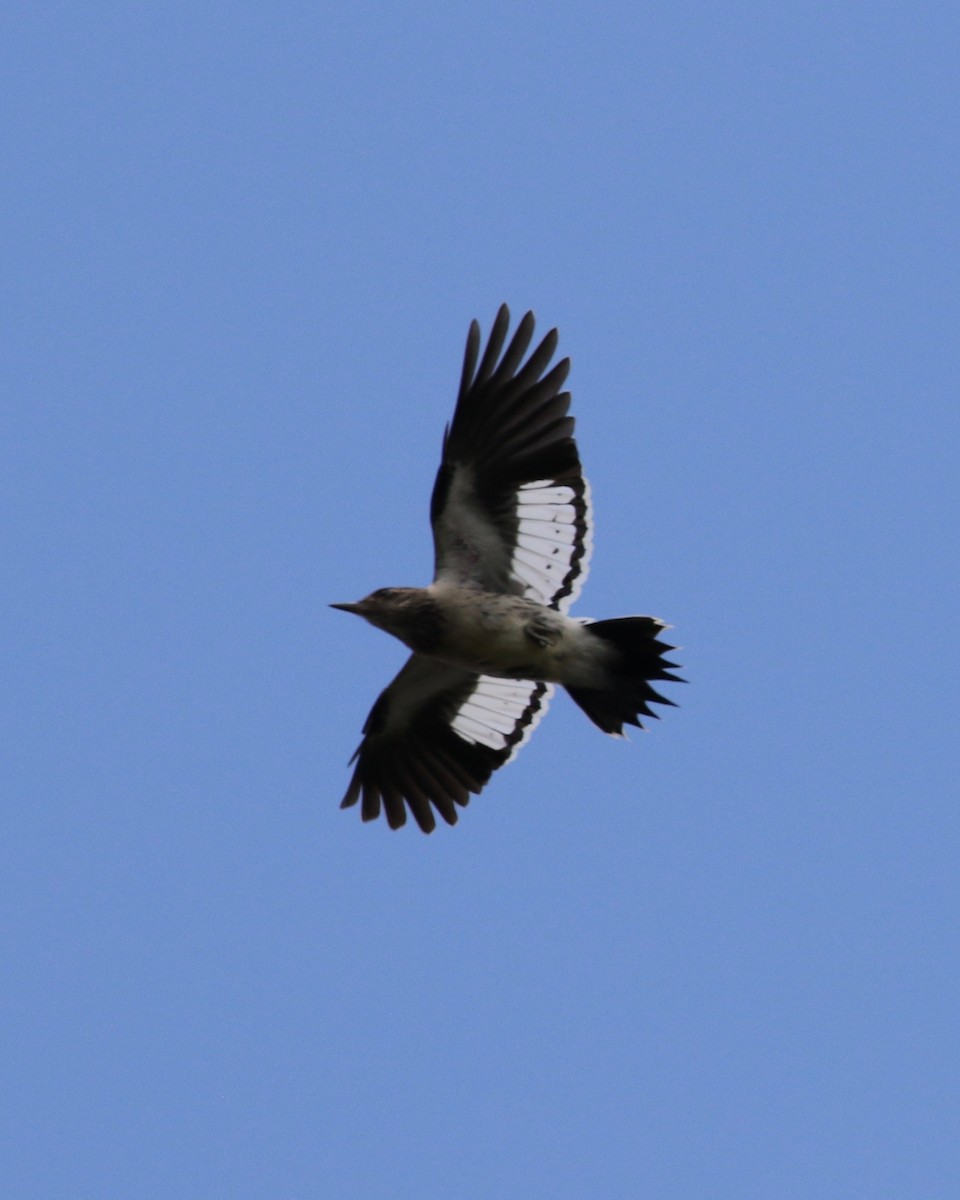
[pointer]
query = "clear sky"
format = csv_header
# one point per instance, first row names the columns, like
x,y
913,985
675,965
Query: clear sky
x,y
242,244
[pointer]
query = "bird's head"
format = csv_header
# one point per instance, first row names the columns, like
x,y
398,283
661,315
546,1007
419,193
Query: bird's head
x,y
410,614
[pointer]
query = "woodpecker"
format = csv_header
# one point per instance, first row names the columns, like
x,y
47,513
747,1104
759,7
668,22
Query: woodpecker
x,y
490,636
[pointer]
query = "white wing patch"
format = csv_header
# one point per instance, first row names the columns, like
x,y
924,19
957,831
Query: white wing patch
x,y
554,541
502,713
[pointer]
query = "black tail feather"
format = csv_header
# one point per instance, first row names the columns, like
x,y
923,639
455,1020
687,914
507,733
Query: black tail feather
x,y
638,661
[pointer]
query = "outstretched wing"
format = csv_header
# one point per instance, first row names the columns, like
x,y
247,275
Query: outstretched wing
x,y
511,508
435,735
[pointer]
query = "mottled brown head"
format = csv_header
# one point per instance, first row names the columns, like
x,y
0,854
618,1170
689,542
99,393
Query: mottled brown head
x,y
410,614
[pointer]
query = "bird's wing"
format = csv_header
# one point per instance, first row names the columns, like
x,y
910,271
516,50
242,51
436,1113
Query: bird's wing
x,y
511,508
435,735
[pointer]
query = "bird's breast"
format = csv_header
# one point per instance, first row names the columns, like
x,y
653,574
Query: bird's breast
x,y
505,635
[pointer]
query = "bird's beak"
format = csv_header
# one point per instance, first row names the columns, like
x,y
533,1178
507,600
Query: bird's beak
x,y
351,608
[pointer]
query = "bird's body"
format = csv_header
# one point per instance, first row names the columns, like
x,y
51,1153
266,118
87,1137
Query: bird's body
x,y
490,636
508,636
492,633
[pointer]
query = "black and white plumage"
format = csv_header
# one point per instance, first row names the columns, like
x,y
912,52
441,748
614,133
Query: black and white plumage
x,y
512,532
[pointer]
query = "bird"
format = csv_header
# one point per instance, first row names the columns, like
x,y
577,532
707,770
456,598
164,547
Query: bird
x,y
490,636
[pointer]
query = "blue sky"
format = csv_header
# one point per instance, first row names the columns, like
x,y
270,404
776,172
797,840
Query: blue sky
x,y
241,248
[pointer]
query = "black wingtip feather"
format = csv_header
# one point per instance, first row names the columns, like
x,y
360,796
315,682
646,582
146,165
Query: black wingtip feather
x,y
498,335
470,355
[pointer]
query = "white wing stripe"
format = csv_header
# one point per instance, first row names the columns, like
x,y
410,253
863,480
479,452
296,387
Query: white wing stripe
x,y
565,535
553,541
484,719
473,731
535,584
495,709
551,494
563,514
548,547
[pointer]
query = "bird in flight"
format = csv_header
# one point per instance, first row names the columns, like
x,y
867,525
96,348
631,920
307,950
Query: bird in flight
x,y
512,532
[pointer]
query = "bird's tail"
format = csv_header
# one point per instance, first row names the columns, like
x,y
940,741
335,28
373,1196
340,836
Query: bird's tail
x,y
638,659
